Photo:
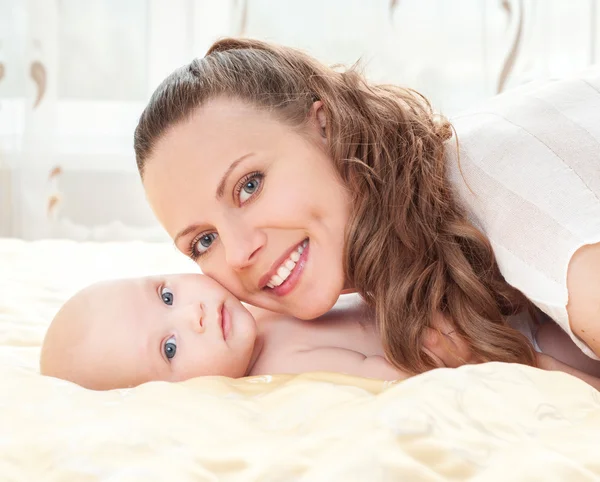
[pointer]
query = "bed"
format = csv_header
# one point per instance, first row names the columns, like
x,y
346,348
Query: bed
x,y
487,422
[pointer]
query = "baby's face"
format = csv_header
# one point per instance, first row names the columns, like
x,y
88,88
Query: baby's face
x,y
168,328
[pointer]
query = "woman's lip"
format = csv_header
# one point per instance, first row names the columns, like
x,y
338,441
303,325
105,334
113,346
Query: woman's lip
x,y
273,271
225,321
292,280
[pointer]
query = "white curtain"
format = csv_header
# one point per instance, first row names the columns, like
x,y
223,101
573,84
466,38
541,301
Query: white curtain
x,y
75,75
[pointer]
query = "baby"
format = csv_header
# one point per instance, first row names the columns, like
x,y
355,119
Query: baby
x,y
123,333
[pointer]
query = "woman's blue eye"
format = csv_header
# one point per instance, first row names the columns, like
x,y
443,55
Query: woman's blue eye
x,y
170,347
204,242
249,187
167,296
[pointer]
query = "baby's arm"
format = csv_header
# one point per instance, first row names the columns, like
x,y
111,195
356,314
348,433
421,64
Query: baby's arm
x,y
340,360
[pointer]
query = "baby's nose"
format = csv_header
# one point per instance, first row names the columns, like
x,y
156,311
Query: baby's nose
x,y
197,318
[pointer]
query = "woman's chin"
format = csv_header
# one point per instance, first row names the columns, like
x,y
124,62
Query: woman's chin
x,y
315,307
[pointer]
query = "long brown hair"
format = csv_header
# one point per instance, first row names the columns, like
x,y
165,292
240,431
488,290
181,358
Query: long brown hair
x,y
410,250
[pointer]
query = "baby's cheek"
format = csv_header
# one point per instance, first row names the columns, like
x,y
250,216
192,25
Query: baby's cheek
x,y
186,369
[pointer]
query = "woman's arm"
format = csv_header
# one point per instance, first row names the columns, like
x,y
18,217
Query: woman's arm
x,y
557,343
546,362
583,284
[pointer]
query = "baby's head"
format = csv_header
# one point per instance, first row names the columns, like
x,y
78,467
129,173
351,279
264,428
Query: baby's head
x,y
122,333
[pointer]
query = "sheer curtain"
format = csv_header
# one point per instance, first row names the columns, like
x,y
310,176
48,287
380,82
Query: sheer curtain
x,y
75,75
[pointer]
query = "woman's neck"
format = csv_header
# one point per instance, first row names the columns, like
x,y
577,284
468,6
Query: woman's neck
x,y
348,288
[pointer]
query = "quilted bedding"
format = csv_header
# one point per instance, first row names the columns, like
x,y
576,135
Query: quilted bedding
x,y
488,422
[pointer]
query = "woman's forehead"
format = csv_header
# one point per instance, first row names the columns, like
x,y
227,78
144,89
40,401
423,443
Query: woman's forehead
x,y
214,136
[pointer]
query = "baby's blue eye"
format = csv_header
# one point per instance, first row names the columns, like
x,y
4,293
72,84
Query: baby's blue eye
x,y
170,347
167,296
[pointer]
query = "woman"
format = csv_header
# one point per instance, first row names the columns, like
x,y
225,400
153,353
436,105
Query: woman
x,y
287,181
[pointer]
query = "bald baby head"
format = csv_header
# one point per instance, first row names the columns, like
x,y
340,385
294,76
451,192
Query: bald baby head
x,y
122,333
75,346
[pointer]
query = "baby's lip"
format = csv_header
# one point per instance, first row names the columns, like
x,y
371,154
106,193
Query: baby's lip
x,y
224,321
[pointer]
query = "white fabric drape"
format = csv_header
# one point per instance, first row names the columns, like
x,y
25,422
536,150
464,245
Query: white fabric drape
x,y
529,174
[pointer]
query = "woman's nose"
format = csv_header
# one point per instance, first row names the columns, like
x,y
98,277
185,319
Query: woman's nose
x,y
242,245
240,257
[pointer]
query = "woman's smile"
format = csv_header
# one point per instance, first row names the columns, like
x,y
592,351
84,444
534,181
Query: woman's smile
x,y
286,273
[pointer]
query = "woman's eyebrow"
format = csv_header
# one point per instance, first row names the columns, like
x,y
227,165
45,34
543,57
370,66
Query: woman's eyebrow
x,y
233,165
185,232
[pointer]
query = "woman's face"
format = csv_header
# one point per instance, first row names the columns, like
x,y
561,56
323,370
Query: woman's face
x,y
256,203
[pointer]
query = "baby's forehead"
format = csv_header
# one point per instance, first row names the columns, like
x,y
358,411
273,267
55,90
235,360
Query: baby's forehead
x,y
120,287
119,298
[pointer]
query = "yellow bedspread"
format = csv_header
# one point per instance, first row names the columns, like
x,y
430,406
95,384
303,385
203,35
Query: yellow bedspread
x,y
488,422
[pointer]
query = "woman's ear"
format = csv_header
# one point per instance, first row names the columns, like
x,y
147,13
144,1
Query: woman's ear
x,y
319,118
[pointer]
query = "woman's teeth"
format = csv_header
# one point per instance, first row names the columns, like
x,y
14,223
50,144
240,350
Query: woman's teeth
x,y
287,266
